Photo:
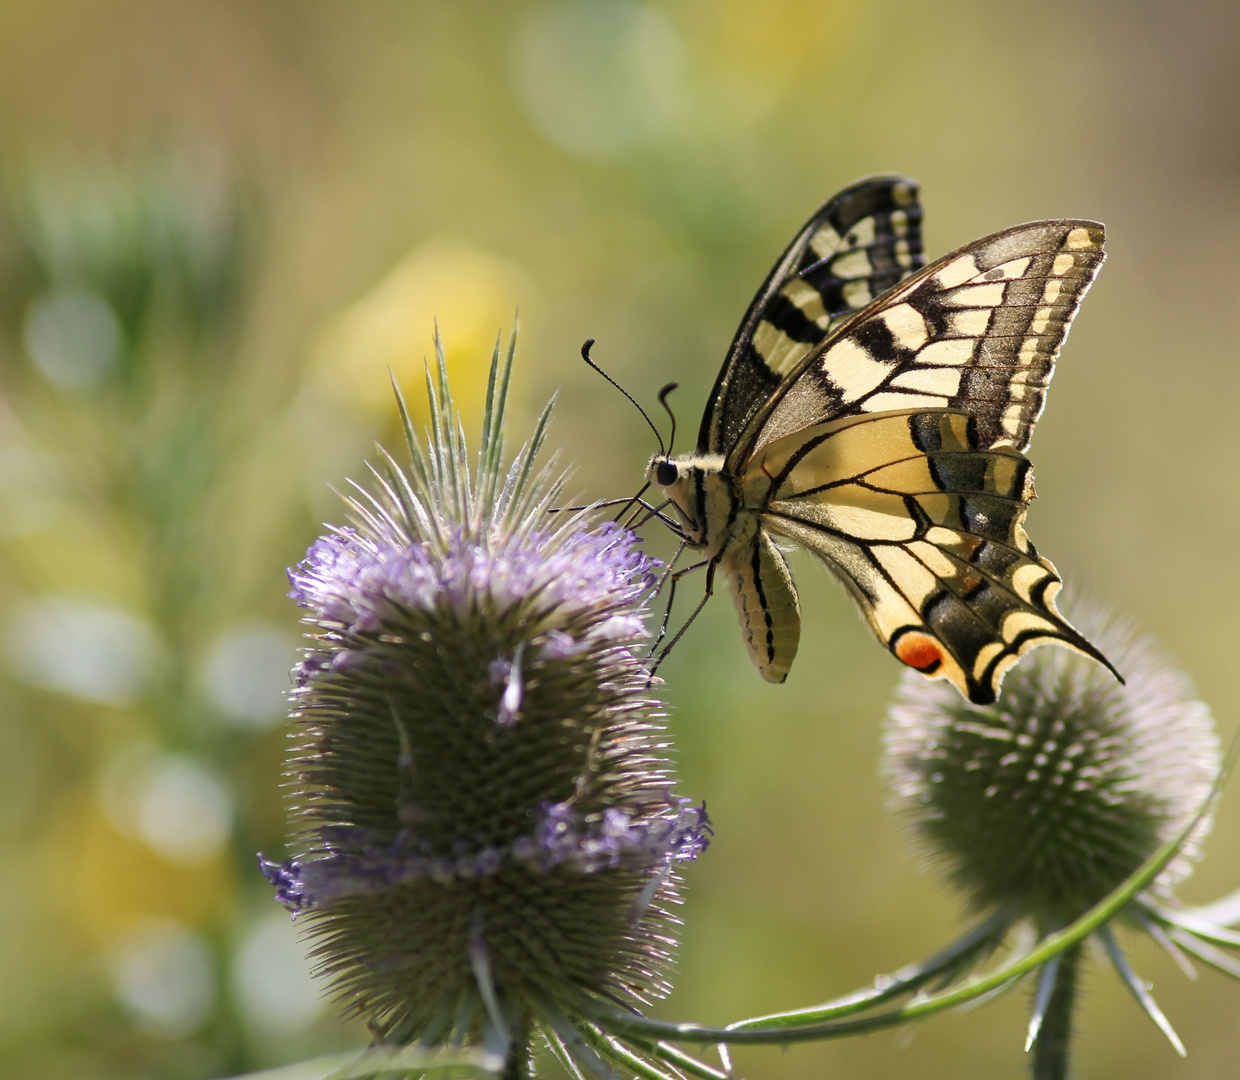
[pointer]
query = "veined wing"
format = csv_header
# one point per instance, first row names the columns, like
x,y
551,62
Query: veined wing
x,y
925,525
978,331
856,246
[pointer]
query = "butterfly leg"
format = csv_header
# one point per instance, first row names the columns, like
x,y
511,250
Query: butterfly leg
x,y
635,500
710,565
668,574
657,512
651,512
590,506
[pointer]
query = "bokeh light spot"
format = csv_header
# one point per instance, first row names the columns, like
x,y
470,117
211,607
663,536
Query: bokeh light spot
x,y
271,978
162,972
599,77
185,813
81,648
73,337
245,674
111,874
168,801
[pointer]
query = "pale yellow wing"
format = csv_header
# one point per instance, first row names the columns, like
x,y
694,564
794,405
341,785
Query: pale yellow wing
x,y
926,528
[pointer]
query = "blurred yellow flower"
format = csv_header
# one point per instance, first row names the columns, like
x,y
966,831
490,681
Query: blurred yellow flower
x,y
754,53
473,295
117,881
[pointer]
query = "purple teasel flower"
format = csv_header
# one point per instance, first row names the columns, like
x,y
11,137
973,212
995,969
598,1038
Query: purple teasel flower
x,y
488,837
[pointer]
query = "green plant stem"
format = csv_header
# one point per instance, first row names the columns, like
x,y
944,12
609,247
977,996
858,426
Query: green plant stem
x,y
518,1065
1050,1049
824,1022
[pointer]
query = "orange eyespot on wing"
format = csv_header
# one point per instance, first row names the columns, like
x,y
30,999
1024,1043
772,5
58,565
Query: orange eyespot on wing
x,y
926,529
919,651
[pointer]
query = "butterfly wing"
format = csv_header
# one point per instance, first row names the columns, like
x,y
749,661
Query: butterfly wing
x,y
978,331
856,246
925,525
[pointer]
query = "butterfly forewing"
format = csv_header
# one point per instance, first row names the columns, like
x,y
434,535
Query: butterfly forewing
x,y
855,247
926,527
977,331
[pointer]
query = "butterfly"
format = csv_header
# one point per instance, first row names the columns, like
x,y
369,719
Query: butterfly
x,y
875,411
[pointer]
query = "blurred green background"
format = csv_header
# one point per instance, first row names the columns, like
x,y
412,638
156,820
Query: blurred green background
x,y
223,219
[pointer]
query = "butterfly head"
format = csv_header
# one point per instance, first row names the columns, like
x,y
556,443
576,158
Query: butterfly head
x,y
665,472
674,478
687,482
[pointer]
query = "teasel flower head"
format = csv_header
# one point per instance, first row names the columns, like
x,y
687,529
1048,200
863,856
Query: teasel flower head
x,y
488,831
1040,805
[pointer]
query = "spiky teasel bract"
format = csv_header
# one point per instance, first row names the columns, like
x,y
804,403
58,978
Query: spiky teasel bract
x,y
1042,804
488,831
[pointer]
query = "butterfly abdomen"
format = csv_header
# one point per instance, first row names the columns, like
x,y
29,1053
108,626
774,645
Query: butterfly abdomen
x,y
766,601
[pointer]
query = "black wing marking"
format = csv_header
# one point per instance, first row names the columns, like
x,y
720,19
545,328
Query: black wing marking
x,y
978,331
926,529
858,245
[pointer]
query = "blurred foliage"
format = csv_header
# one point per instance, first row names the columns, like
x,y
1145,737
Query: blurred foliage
x,y
224,221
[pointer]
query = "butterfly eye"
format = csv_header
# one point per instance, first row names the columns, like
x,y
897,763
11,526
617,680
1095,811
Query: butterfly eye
x,y
665,473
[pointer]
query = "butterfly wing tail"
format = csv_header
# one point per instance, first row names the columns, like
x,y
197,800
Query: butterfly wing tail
x,y
1063,634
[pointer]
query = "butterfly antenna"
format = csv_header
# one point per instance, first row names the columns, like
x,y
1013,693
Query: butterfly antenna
x,y
585,355
671,441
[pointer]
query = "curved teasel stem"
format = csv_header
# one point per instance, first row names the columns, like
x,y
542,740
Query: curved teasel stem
x,y
832,1019
1050,1030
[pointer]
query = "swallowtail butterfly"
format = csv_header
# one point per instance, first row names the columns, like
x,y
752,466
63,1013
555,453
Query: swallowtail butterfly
x,y
876,411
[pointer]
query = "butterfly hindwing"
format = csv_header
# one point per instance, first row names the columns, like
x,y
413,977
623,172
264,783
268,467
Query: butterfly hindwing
x,y
977,331
926,527
856,246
